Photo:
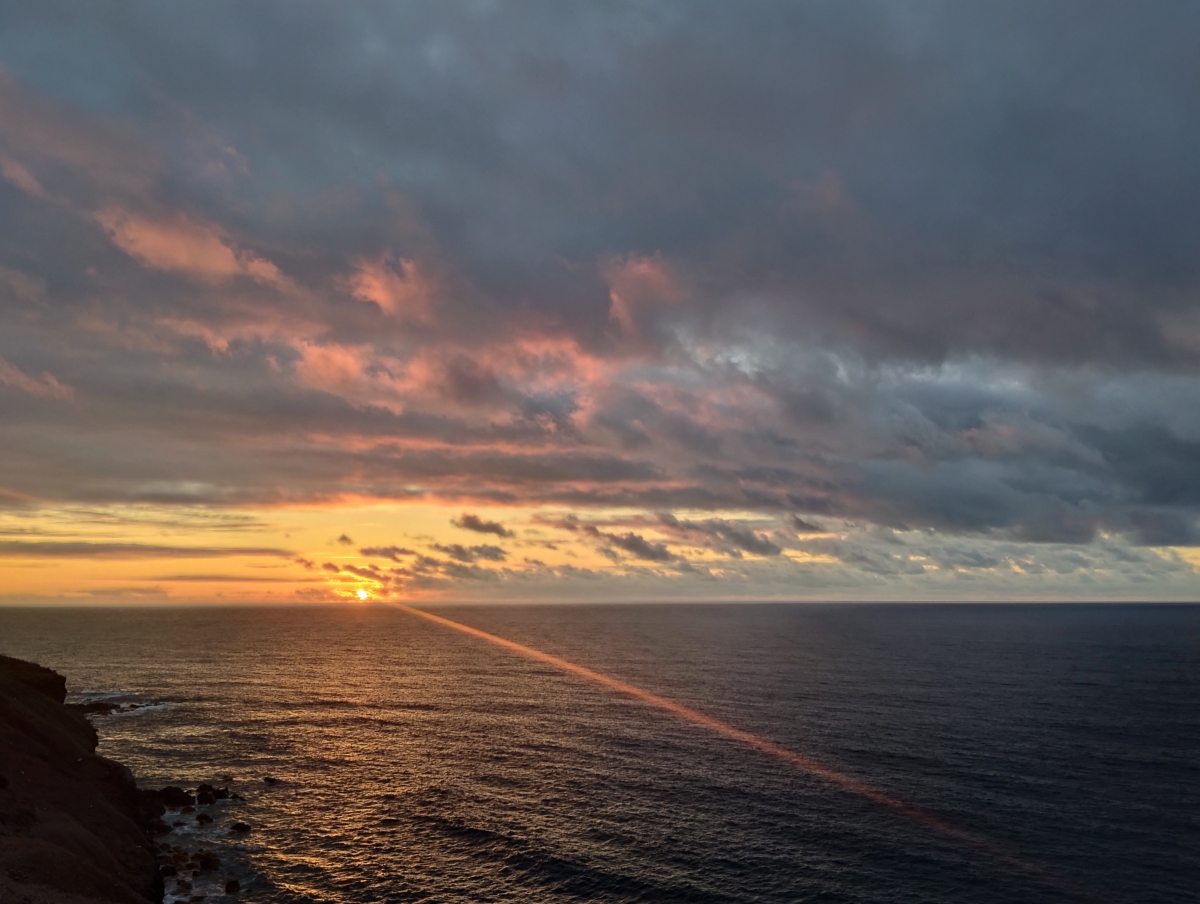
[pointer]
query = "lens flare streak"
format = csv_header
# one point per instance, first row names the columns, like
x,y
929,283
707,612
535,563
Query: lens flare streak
x,y
807,764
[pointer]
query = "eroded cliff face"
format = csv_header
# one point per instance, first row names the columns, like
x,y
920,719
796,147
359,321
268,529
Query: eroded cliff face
x,y
74,828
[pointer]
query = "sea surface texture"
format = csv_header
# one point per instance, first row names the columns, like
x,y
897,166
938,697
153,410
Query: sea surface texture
x,y
417,763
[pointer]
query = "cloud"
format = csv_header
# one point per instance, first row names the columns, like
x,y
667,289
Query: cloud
x,y
177,242
345,541
471,553
386,552
634,544
830,265
79,549
470,522
44,386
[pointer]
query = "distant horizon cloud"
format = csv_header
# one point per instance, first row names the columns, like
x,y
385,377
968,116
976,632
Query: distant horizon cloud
x,y
824,300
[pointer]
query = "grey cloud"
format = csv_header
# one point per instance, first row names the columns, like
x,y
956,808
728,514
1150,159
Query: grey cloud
x,y
726,533
386,552
471,553
471,522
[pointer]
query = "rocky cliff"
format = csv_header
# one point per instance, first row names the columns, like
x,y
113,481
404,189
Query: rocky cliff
x,y
74,829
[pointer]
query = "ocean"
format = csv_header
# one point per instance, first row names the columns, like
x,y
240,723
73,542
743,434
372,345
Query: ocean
x,y
416,763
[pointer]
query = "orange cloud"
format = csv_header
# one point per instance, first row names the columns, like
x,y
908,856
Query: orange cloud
x,y
181,244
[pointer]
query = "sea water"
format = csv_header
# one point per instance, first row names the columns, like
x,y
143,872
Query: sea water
x,y
416,763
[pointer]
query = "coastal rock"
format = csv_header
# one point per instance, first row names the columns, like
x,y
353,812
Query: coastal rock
x,y
232,887
205,798
239,828
74,828
172,796
203,819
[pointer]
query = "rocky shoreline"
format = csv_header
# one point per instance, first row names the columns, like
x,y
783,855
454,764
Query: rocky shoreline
x,y
74,826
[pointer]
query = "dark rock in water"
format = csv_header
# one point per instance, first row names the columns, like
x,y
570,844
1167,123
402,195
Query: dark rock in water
x,y
158,828
389,821
235,796
168,870
176,797
205,798
205,787
240,828
221,793
232,887
177,823
73,825
208,862
96,707
270,780
204,819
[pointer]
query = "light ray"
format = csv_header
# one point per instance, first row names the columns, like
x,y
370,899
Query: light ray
x,y
807,764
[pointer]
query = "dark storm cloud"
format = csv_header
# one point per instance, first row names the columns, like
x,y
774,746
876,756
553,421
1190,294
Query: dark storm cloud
x,y
931,267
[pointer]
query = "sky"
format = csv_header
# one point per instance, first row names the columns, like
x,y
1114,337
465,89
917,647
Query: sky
x,y
559,301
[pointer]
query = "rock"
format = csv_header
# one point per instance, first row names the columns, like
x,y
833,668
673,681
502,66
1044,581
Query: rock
x,y
209,862
168,870
389,821
236,796
221,793
188,809
270,780
96,707
204,819
239,828
232,887
205,798
3,782
73,825
205,787
172,796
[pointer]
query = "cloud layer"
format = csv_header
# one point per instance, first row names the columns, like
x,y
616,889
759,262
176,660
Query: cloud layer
x,y
788,287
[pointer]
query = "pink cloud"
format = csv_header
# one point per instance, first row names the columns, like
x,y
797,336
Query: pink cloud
x,y
635,282
43,387
179,243
399,286
15,172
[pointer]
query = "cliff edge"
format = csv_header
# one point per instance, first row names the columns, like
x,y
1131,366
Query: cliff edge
x,y
74,828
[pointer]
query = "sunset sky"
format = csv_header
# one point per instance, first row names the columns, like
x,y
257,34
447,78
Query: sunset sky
x,y
599,301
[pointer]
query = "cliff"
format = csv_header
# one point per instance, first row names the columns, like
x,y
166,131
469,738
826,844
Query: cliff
x,y
74,829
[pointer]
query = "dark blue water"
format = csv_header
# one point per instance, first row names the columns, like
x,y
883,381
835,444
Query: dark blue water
x,y
419,764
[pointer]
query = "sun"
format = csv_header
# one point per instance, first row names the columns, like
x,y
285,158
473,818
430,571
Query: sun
x,y
363,595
